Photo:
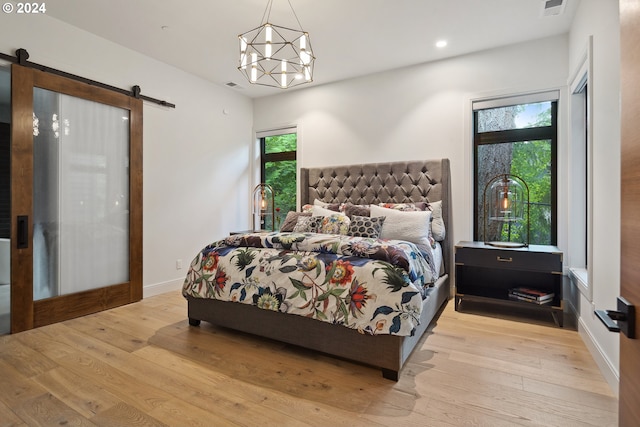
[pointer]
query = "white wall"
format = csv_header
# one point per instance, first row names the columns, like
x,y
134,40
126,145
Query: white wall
x,y
419,112
196,159
601,20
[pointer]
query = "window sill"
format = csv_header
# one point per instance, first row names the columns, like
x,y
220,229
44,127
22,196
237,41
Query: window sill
x,y
580,275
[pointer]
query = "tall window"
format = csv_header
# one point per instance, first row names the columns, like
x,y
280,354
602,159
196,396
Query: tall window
x,y
580,176
518,136
278,169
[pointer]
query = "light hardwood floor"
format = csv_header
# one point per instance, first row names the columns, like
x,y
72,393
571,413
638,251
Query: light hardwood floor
x,y
143,365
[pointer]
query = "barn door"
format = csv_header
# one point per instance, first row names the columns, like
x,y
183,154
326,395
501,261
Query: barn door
x,y
76,189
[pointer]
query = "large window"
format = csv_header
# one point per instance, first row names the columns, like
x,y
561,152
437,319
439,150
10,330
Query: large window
x,y
518,137
278,169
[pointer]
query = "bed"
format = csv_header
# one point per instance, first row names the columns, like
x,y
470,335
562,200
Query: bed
x,y
339,293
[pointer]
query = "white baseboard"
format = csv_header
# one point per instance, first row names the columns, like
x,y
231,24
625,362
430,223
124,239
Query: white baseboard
x,y
161,288
611,375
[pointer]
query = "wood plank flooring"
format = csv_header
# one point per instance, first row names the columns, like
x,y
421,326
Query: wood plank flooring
x,y
143,365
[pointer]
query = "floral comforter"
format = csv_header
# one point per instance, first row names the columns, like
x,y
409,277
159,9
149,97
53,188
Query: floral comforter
x,y
374,286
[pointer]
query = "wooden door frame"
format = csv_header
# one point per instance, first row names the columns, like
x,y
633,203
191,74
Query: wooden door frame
x,y
25,313
629,395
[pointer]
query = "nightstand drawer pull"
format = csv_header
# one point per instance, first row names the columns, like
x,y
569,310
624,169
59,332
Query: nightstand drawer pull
x,y
499,258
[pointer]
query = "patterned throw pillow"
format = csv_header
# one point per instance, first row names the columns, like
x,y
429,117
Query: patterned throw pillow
x,y
291,220
308,224
405,207
364,226
334,224
359,210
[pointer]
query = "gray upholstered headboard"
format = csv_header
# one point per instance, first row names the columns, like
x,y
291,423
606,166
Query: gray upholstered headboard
x,y
394,182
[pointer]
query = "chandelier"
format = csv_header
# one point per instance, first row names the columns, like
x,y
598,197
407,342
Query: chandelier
x,y
272,55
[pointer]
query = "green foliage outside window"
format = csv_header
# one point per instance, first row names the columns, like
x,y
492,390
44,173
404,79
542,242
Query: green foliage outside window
x,y
531,161
281,175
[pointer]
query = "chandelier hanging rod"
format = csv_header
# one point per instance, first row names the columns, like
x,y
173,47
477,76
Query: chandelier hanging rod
x,y
267,13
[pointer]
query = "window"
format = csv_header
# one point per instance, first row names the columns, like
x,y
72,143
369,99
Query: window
x,y
580,228
518,136
278,168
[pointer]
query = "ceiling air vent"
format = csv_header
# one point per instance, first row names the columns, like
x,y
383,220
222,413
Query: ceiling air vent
x,y
553,7
234,85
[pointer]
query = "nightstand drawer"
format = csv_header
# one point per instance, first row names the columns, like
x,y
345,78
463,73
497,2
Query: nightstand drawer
x,y
524,260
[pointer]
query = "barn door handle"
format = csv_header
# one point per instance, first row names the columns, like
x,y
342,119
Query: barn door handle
x,y
23,232
621,320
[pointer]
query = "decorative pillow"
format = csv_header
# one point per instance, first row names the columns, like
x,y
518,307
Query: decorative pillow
x,y
291,219
412,226
359,210
308,224
437,223
307,208
331,206
334,224
364,226
320,211
406,207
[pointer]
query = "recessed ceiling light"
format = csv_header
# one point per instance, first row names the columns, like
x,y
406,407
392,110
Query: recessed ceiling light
x,y
441,43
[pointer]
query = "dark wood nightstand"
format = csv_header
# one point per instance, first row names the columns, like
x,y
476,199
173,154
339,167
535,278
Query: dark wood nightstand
x,y
231,233
486,273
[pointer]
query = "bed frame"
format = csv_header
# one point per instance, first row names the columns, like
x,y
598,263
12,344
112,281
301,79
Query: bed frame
x,y
396,182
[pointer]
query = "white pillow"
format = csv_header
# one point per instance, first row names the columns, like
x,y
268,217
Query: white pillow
x,y
320,211
413,226
437,223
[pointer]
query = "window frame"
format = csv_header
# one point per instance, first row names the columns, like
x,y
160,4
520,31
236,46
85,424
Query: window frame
x,y
264,158
274,157
580,230
518,135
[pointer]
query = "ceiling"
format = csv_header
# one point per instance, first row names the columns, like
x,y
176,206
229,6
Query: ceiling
x,y
350,38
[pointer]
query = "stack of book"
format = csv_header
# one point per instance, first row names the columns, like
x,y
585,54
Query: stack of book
x,y
535,296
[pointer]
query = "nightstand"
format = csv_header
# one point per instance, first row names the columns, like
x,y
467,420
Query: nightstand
x,y
231,233
486,273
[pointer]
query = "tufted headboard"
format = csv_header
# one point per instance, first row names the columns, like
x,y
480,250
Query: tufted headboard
x,y
394,182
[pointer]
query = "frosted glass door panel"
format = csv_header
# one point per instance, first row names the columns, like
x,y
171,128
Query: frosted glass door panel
x,y
80,195
5,200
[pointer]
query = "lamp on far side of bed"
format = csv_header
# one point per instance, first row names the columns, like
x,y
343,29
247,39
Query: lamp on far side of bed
x,y
263,207
506,217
